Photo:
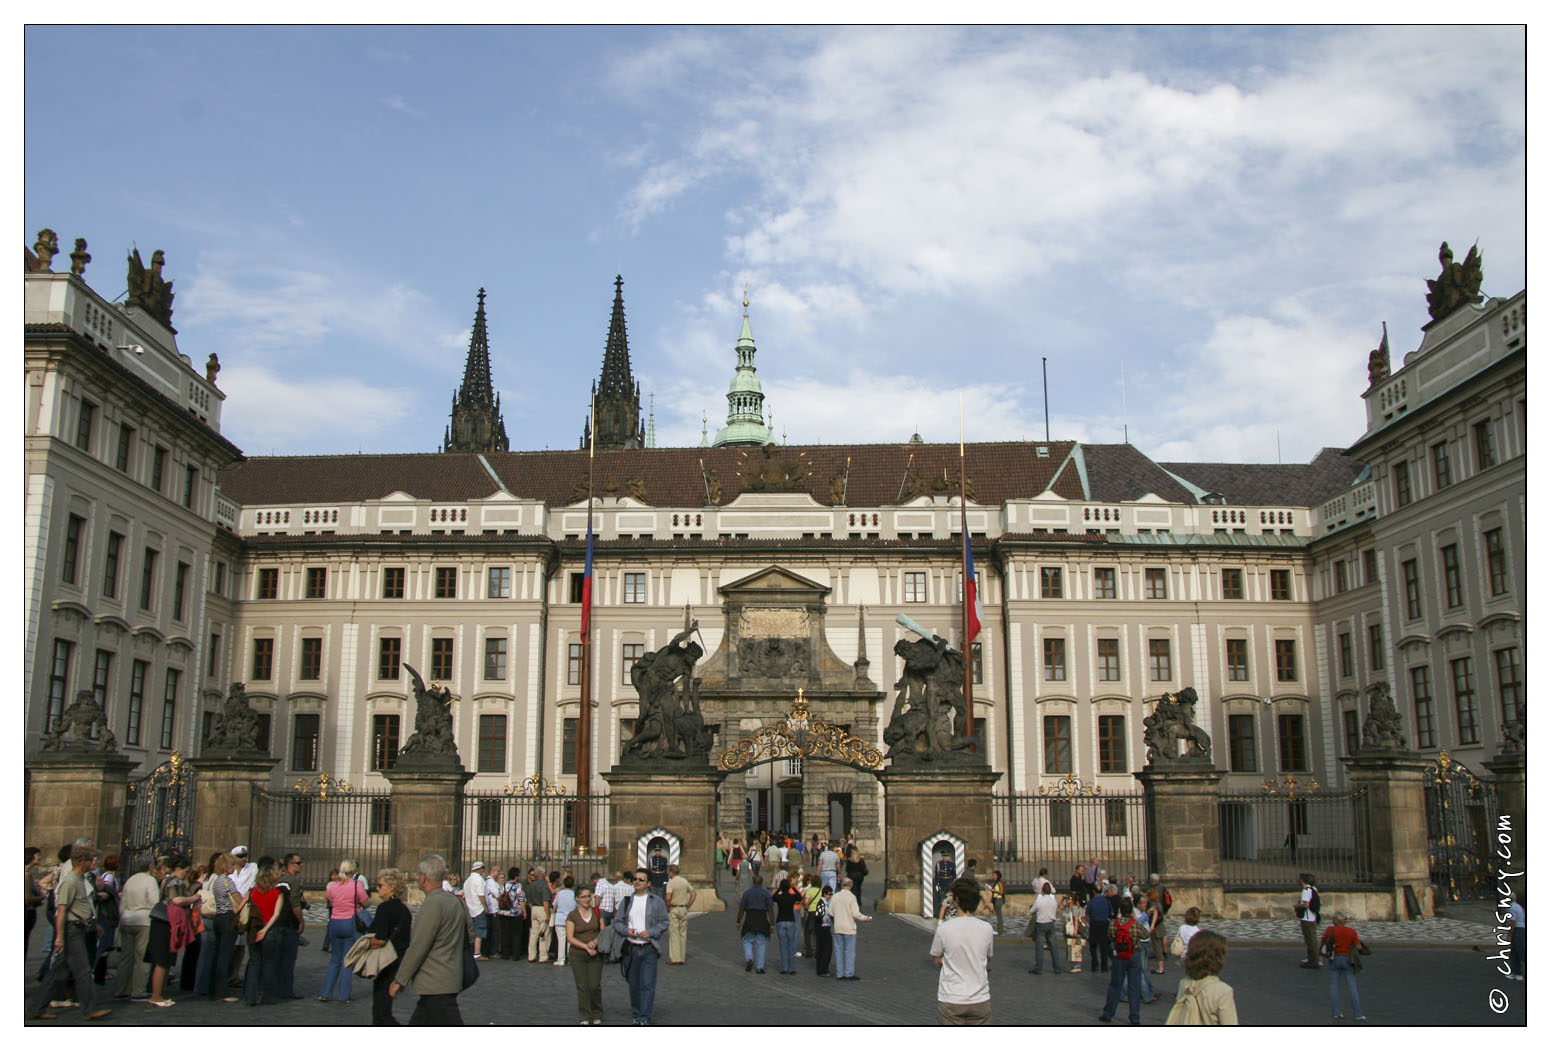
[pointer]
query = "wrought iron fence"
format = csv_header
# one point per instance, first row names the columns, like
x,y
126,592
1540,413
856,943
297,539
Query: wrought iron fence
x,y
1462,815
159,812
1268,838
534,823
1061,826
325,822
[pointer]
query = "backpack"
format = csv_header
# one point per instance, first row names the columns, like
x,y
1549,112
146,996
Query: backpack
x,y
1314,903
1125,943
504,902
1166,900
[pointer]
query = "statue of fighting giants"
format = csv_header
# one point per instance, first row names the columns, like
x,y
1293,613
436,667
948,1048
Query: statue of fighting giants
x,y
432,738
235,728
670,725
928,718
1172,721
73,731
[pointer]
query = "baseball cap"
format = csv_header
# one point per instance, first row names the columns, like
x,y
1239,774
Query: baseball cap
x,y
477,865
239,851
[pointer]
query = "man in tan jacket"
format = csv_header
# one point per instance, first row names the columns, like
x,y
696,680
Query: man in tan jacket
x,y
681,898
434,959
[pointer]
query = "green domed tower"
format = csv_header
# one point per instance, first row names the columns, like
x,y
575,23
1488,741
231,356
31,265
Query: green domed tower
x,y
745,397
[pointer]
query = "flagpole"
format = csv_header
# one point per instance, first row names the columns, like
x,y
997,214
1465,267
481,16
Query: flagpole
x,y
969,664
581,822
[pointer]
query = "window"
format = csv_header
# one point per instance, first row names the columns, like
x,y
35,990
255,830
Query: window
x,y
498,582
263,731
441,659
1340,575
577,579
317,582
568,746
1238,659
1370,566
1061,818
1292,751
158,468
263,659
1104,582
83,425
1486,446
1496,561
102,674
126,440
1351,732
148,579
1465,700
627,729
190,478
213,661
1055,660
1049,581
379,818
1376,647
492,744
304,741
1241,743
495,657
1058,744
268,583
169,707
1422,695
446,581
179,590
1281,585
138,670
915,587
385,741
72,554
1344,645
488,817
58,682
311,666
389,653
1159,662
1109,660
1510,684
393,582
1114,817
1453,593
1155,583
1286,660
635,587
1112,744
1413,586
1233,583
977,664
629,653
1441,475
1402,473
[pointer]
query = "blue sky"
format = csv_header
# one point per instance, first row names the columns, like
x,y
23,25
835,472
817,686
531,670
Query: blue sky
x,y
1226,215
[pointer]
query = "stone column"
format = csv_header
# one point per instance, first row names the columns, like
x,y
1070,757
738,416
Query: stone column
x,y
1183,832
223,802
76,793
425,815
1397,822
1509,768
920,800
682,801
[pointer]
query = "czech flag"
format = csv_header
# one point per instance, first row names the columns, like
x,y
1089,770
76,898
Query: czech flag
x,y
587,579
972,611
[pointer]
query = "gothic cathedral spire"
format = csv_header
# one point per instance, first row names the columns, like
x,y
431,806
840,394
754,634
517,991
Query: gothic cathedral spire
x,y
476,408
616,397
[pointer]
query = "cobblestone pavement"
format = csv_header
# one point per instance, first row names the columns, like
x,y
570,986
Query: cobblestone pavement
x,y
1400,984
1439,931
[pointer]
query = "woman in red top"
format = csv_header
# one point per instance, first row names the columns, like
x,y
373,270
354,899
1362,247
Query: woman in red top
x,y
264,951
1339,944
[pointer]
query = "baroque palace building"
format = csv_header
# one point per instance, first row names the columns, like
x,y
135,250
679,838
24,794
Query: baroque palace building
x,y
162,565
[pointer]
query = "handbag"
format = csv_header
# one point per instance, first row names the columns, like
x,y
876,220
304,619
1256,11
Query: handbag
x,y
362,925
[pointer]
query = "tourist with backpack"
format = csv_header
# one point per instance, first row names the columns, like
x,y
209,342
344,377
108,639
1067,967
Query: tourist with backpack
x,y
1307,911
1125,972
1204,998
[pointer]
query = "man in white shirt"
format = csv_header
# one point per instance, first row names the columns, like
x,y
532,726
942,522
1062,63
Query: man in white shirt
x,y
1046,929
492,923
604,896
244,874
473,895
961,949
624,890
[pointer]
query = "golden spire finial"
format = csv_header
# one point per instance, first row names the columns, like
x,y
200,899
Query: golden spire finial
x,y
745,297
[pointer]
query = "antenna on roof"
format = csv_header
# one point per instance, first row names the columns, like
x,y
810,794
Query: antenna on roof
x,y
1125,429
1278,446
1044,369
904,477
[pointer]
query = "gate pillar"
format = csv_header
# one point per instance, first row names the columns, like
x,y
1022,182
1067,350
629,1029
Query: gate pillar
x,y
680,801
425,814
223,802
71,794
1184,834
1397,822
918,803
1512,803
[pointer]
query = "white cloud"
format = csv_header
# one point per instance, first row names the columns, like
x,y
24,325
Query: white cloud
x,y
266,411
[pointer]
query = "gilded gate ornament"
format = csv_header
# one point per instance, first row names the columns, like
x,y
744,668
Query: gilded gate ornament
x,y
800,736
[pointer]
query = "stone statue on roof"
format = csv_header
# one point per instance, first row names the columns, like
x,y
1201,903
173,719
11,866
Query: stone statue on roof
x,y
1456,285
45,248
147,289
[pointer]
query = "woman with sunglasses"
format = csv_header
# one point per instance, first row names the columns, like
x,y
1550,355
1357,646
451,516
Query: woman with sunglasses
x,y
389,927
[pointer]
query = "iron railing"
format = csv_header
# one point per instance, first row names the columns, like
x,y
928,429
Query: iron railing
x,y
507,829
1268,839
159,813
1462,814
1062,828
324,828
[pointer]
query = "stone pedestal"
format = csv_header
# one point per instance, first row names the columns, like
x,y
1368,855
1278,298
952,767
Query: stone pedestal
x,y
682,801
917,803
1397,822
1512,803
424,815
223,802
1183,832
73,794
